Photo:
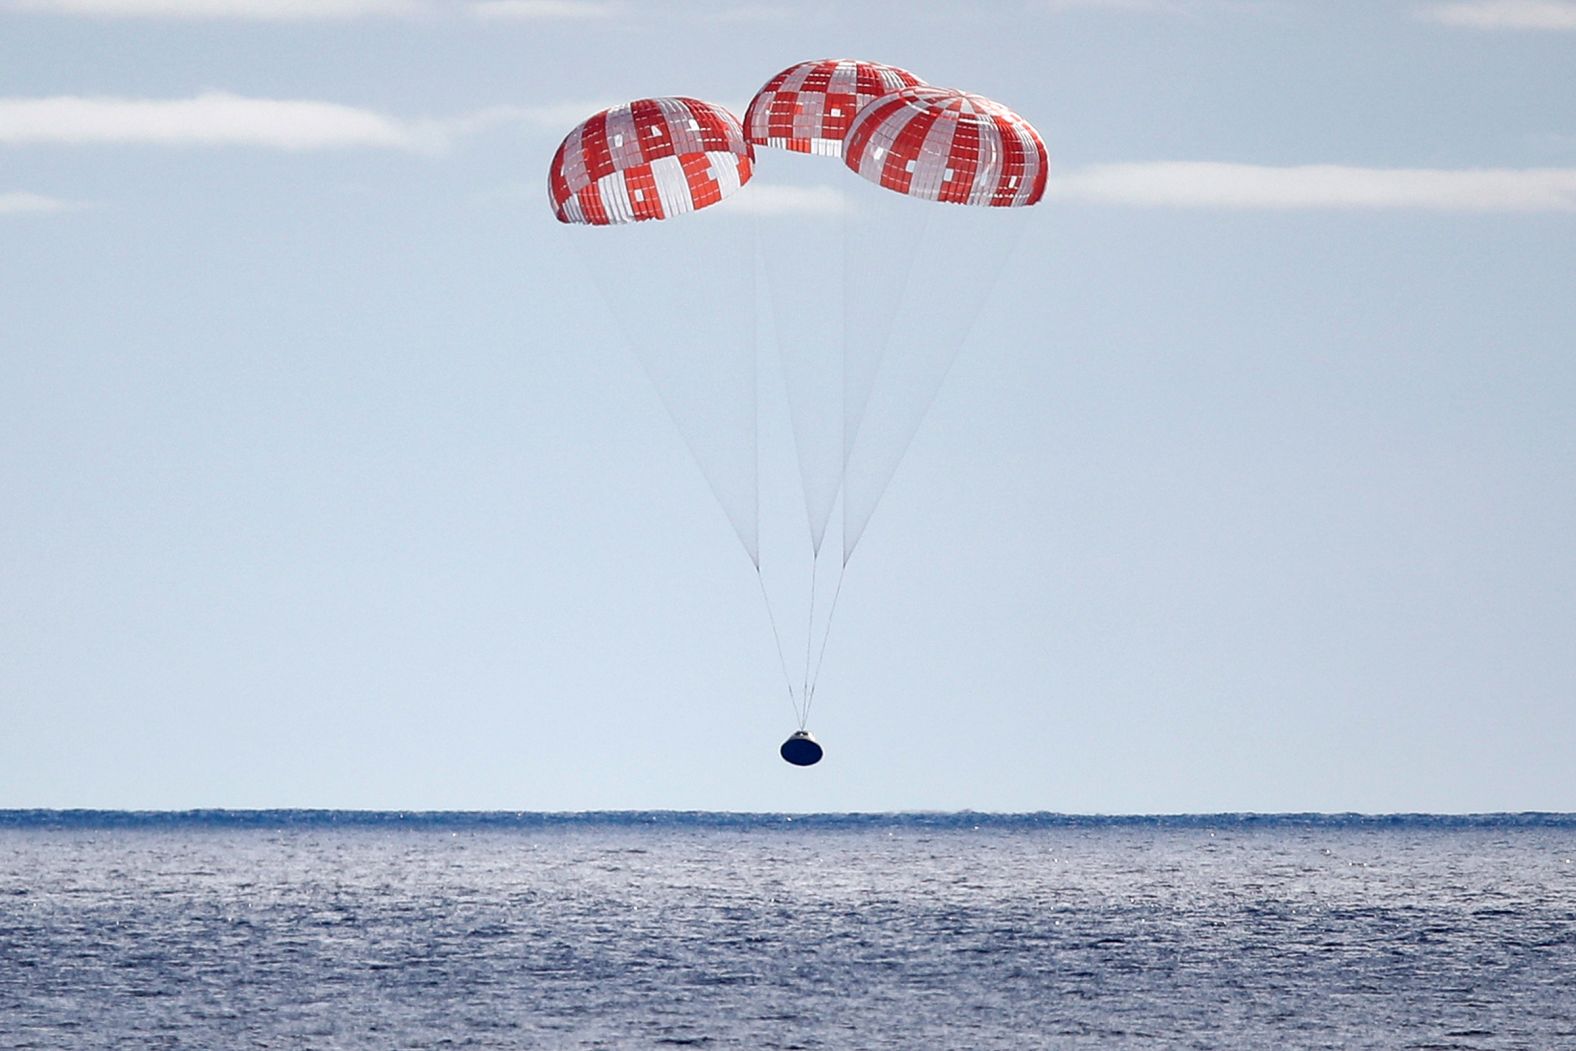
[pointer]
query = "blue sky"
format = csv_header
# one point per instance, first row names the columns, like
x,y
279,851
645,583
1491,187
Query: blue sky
x,y
328,481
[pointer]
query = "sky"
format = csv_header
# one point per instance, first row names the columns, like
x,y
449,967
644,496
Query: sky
x,y
328,478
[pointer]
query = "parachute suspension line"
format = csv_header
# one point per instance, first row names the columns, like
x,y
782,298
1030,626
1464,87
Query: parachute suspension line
x,y
757,263
821,657
809,633
854,412
777,638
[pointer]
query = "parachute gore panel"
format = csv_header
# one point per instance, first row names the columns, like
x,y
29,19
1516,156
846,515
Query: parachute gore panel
x,y
808,107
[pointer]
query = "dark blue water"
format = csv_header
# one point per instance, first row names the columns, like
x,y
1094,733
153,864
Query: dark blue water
x,y
291,929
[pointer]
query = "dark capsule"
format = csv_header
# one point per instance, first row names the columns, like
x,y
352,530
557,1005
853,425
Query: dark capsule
x,y
801,749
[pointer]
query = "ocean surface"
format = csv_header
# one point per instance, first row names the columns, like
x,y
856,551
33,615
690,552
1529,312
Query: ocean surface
x,y
293,929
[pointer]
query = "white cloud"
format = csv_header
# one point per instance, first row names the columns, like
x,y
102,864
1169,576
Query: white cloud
x,y
209,119
251,10
1111,5
556,117
220,119
1168,7
19,203
327,10
765,199
537,10
1202,184
587,10
747,14
1504,14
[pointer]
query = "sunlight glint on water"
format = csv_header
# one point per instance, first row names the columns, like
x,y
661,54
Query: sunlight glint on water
x,y
521,931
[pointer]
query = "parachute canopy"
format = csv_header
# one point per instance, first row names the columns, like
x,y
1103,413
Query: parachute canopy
x,y
808,107
938,144
648,159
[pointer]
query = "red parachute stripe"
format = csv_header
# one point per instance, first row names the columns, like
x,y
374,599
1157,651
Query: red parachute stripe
x,y
869,119
901,161
1012,165
963,163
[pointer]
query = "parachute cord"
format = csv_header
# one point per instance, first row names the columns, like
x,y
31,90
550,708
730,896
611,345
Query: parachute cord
x,y
853,424
809,632
821,658
777,637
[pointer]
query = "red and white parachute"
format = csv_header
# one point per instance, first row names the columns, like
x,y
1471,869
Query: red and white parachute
x,y
943,145
648,159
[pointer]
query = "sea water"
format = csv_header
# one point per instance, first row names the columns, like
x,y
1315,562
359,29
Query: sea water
x,y
358,930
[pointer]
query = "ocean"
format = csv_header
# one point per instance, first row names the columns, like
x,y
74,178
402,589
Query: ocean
x,y
323,929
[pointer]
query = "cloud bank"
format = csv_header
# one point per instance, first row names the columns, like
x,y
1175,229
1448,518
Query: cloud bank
x,y
539,10
1165,7
760,198
1204,184
1168,6
19,203
222,119
210,119
556,117
1504,14
331,10
319,10
249,10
